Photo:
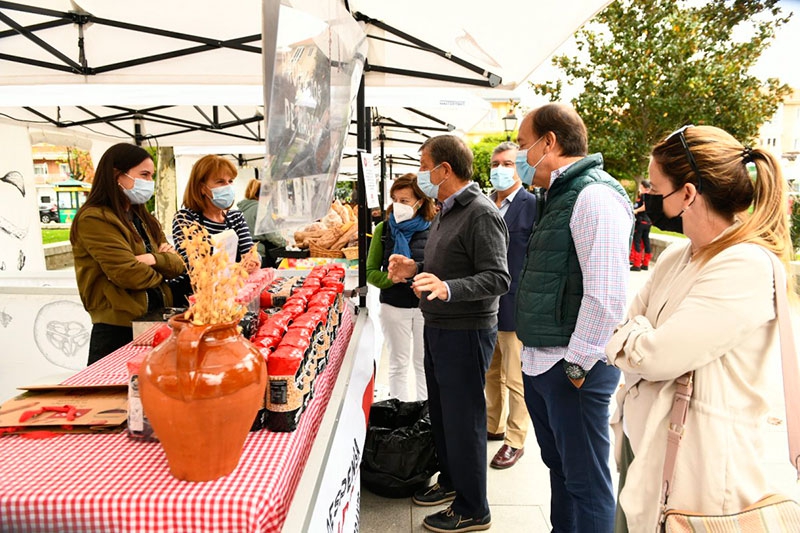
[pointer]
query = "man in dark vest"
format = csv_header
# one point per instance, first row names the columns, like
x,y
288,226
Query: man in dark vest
x,y
507,420
459,283
570,298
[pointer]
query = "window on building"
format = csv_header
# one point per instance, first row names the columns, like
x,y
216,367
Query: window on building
x,y
45,200
63,168
298,53
40,169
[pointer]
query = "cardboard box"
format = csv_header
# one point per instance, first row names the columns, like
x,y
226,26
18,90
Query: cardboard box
x,y
96,408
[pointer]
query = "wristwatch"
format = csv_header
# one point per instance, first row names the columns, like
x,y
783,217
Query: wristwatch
x,y
574,371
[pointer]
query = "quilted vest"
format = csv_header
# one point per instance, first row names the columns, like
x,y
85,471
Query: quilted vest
x,y
551,284
400,294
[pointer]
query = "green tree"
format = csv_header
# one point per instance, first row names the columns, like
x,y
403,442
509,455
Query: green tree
x,y
482,157
653,65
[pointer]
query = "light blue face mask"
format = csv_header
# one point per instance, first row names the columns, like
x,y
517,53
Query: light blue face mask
x,y
524,169
141,191
502,178
424,182
223,197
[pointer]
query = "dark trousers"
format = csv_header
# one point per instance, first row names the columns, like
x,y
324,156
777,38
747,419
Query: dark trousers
x,y
455,373
572,430
106,338
641,236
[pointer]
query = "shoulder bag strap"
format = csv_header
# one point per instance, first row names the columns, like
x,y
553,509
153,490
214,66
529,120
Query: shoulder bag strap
x,y
789,364
791,391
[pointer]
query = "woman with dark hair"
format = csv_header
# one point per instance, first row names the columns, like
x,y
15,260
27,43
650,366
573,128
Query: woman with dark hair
x,y
122,257
405,232
207,201
707,308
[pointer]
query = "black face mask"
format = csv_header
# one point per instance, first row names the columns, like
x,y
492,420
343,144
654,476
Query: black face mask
x,y
654,207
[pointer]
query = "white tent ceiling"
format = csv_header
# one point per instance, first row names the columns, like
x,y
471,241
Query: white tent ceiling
x,y
205,54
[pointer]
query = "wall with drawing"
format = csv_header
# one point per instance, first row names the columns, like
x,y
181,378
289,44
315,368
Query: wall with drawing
x,y
44,330
20,234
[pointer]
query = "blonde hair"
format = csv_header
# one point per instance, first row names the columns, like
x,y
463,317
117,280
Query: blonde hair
x,y
727,187
204,168
252,190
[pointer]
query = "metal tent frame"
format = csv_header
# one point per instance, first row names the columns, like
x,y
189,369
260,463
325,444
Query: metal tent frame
x,y
209,119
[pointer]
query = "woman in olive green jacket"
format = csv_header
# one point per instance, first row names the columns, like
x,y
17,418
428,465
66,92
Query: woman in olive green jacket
x,y
122,257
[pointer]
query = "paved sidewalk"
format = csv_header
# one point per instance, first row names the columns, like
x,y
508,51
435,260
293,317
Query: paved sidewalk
x,y
519,497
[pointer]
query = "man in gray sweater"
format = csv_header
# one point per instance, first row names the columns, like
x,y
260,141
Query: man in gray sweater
x,y
459,284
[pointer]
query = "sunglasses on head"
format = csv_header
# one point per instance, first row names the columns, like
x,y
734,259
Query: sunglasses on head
x,y
689,156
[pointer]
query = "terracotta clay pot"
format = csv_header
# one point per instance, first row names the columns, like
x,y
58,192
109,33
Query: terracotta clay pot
x,y
201,390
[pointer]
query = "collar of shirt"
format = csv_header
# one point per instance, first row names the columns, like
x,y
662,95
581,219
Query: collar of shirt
x,y
510,198
450,200
557,172
507,201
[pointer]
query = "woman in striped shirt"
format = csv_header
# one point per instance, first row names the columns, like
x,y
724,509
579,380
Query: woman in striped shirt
x,y
207,201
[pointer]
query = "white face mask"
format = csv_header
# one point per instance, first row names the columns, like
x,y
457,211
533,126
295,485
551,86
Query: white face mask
x,y
223,196
141,191
403,212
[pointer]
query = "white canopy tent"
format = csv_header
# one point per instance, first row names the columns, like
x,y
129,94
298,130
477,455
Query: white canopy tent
x,y
83,57
193,75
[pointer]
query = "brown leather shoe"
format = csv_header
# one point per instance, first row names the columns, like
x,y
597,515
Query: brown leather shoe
x,y
495,436
506,456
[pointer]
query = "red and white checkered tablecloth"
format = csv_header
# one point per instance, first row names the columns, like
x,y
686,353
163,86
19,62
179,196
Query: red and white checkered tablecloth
x,y
110,483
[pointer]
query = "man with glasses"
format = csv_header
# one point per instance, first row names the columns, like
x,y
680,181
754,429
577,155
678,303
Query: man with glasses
x,y
459,283
571,296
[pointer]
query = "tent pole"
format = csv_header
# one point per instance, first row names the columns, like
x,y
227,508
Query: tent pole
x,y
362,146
382,191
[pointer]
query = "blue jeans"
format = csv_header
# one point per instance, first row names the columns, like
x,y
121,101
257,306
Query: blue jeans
x,y
455,372
572,430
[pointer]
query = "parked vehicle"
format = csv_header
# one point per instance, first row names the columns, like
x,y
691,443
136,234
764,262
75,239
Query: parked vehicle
x,y
48,213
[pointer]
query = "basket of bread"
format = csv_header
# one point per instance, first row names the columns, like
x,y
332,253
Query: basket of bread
x,y
337,230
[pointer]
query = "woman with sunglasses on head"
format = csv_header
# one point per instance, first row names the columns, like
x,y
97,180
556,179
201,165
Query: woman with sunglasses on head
x,y
122,257
708,307
405,231
207,201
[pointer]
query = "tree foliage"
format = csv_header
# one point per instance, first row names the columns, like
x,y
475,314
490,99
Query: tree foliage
x,y
654,65
80,164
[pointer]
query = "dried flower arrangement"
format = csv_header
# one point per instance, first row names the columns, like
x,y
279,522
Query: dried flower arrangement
x,y
215,278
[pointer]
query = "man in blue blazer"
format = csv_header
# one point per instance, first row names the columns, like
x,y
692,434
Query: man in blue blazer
x,y
508,421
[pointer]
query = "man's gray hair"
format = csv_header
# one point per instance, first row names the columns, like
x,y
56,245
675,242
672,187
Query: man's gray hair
x,y
504,147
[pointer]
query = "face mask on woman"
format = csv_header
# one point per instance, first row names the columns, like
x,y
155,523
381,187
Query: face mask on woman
x,y
654,207
403,212
502,178
141,191
223,197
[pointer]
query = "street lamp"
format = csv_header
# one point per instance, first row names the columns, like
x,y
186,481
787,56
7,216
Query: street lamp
x,y
509,124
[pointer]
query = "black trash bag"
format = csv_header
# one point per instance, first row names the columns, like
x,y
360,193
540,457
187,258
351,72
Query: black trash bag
x,y
399,454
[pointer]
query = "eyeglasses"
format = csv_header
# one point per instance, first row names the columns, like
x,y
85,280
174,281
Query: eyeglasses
x,y
689,156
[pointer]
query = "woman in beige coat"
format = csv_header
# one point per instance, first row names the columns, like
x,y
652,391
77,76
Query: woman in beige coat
x,y
708,307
